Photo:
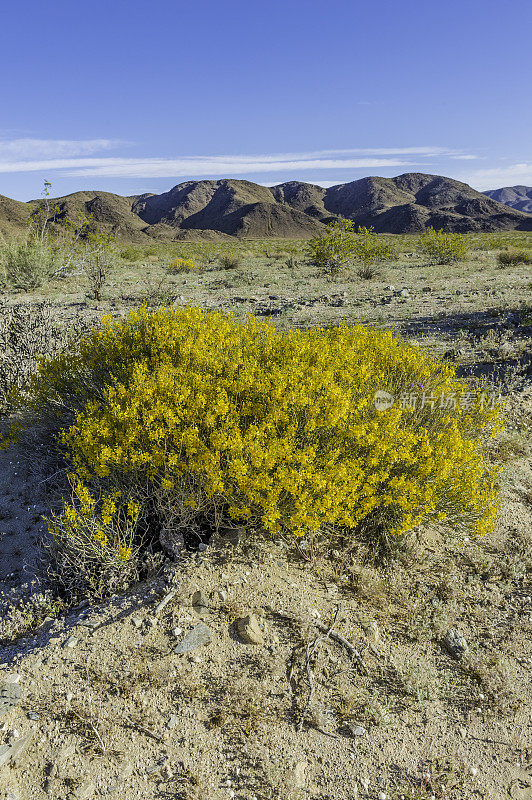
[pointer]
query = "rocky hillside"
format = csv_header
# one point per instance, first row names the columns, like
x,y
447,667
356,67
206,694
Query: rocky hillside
x,y
518,197
408,203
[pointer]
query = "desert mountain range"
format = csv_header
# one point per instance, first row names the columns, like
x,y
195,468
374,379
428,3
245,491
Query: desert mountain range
x,y
518,197
214,209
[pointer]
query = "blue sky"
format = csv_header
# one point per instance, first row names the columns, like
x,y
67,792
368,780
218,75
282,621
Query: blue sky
x,y
134,96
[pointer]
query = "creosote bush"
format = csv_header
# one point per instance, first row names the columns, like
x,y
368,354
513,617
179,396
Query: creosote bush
x,y
230,261
369,250
510,258
333,249
201,420
441,247
341,244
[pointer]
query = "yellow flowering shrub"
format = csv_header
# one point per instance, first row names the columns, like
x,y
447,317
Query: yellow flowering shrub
x,y
225,421
178,265
95,540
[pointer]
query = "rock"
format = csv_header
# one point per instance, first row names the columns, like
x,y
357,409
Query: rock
x,y
455,643
232,535
248,628
10,694
12,752
198,636
455,353
85,791
299,777
137,622
404,293
506,349
200,604
391,288
357,730
173,721
164,602
71,642
11,677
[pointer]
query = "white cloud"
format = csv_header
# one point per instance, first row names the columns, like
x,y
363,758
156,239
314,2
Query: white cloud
x,y
511,175
217,166
24,149
40,155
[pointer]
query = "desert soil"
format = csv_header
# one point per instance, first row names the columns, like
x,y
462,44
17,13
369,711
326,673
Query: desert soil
x,y
272,703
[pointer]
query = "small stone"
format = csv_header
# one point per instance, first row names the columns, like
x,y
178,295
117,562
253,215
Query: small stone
x,y
92,624
12,752
71,642
199,635
506,349
200,604
405,293
10,695
455,643
177,632
164,602
473,771
232,535
382,795
11,677
248,629
462,731
173,721
137,622
357,730
300,780
85,791
69,697
32,715
222,596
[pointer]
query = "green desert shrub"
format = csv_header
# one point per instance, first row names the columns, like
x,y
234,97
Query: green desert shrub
x,y
510,258
130,253
443,248
182,421
229,261
369,250
341,244
333,249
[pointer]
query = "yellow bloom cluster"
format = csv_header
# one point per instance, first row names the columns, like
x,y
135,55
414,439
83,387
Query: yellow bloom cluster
x,y
181,265
281,428
99,529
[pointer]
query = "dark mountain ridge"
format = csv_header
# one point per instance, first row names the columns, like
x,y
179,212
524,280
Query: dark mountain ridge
x,y
518,197
409,203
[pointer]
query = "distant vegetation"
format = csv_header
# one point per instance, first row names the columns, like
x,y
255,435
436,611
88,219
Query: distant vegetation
x,y
443,248
508,258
